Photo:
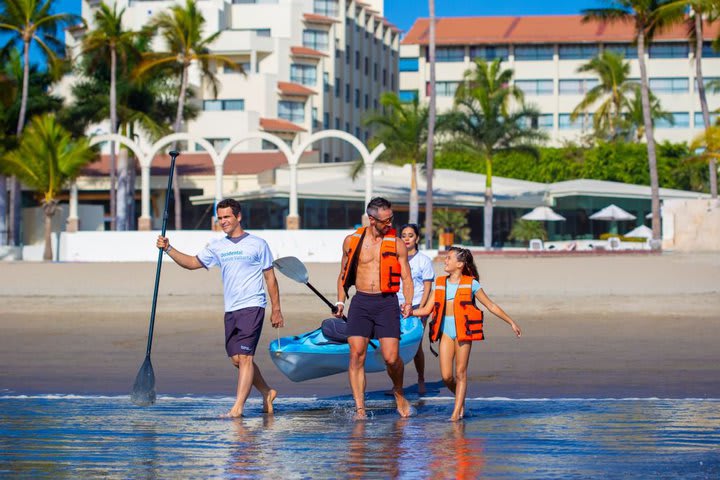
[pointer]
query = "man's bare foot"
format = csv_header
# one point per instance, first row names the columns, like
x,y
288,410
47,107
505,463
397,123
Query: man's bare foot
x,y
456,417
421,387
403,406
234,413
360,414
268,401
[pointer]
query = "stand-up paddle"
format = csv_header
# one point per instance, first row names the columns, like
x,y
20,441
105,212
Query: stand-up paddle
x,y
143,392
295,270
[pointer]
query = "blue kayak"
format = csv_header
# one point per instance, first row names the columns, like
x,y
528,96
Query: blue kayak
x,y
312,355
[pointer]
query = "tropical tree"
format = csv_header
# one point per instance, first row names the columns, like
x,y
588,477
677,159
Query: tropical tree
x,y
635,118
707,145
451,221
698,10
611,93
47,159
483,123
181,27
110,39
647,20
526,230
404,132
31,22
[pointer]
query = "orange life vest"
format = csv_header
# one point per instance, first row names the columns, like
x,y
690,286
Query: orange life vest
x,y
468,318
389,264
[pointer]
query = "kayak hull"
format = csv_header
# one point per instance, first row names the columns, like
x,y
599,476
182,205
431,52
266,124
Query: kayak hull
x,y
311,355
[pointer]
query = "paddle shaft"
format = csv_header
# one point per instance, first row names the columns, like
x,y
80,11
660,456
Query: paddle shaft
x,y
173,156
333,308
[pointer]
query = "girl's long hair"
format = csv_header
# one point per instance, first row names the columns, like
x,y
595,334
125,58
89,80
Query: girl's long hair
x,y
464,255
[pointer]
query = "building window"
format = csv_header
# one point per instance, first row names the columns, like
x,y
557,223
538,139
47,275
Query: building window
x,y
367,65
347,127
669,85
347,93
669,50
544,121
329,8
326,120
357,132
708,51
357,98
392,81
384,79
303,74
375,71
535,87
367,101
267,145
489,52
627,50
337,123
534,52
326,82
700,123
408,95
442,89
217,143
409,65
582,122
244,66
679,120
315,39
347,54
218,105
291,111
577,87
449,54
337,87
579,51
263,32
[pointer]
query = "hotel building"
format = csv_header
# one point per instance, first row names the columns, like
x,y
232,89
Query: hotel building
x,y
545,53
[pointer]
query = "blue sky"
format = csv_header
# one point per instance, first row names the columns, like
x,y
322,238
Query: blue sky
x,y
404,12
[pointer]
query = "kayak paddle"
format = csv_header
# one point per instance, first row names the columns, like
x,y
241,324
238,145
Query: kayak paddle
x,y
295,270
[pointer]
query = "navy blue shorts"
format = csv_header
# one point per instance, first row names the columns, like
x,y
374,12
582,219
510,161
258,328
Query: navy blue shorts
x,y
374,316
242,330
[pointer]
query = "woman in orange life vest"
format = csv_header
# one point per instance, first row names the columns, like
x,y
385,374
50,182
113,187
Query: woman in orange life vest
x,y
457,322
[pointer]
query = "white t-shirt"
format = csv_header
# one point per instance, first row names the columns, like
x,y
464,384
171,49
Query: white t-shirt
x,y
421,270
242,261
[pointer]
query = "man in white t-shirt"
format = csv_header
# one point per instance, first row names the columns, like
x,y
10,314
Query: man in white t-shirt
x,y
245,260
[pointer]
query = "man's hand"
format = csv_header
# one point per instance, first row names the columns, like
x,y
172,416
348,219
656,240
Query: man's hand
x,y
339,308
277,319
406,310
162,243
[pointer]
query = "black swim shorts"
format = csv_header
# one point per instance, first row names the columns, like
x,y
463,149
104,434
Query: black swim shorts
x,y
242,330
374,316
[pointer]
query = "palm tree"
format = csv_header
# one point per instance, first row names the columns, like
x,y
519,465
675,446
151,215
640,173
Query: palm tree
x,y
635,119
28,22
484,124
430,161
699,10
404,131
47,159
707,144
611,92
646,19
182,29
109,37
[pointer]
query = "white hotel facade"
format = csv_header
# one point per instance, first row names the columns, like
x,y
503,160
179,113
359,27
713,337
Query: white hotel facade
x,y
309,65
545,53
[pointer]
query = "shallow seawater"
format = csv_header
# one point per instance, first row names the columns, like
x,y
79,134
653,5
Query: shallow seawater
x,y
55,436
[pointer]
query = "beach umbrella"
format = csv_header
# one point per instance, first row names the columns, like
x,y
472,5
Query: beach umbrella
x,y
640,232
543,214
613,214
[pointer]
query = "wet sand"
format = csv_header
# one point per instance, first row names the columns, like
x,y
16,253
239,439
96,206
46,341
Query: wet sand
x,y
592,327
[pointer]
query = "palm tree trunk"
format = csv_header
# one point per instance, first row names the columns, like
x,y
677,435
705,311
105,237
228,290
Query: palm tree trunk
x,y
430,155
49,209
649,136
113,129
15,188
703,97
488,207
413,205
176,128
3,210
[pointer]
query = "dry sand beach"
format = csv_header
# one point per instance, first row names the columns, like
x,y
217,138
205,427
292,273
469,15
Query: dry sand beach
x,y
608,326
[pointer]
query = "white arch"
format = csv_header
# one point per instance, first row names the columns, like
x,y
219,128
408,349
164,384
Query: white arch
x,y
175,137
114,137
351,139
277,141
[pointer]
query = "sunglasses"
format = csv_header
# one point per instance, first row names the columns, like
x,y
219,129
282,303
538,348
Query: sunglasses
x,y
387,221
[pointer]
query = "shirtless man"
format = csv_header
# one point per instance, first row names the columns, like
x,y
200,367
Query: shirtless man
x,y
374,260
245,261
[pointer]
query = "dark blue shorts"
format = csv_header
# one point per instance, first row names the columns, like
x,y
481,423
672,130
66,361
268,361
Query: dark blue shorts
x,y
242,330
374,316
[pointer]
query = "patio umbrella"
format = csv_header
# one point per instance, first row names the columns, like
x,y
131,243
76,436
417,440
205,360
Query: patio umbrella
x,y
613,214
640,232
543,214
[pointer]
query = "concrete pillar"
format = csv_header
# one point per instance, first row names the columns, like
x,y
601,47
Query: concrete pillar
x,y
145,221
73,222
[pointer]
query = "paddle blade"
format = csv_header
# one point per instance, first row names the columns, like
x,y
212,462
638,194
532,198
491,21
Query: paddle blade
x,y
143,393
292,268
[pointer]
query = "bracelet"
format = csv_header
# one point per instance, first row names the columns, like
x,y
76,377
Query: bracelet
x,y
168,249
339,303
